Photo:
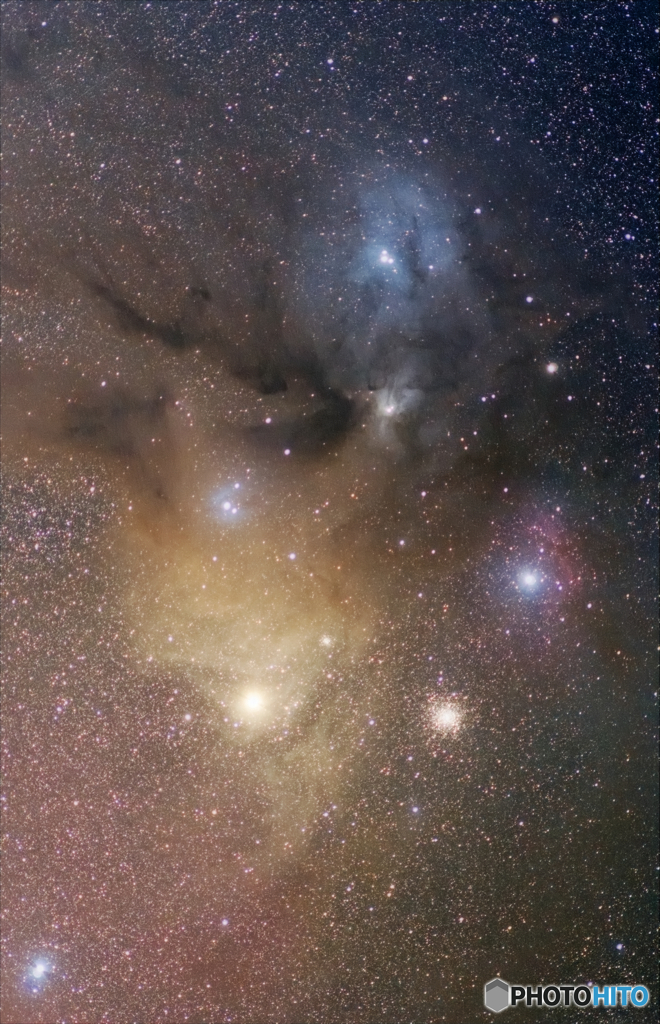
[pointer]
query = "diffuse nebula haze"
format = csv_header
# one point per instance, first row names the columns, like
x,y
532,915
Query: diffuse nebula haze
x,y
326,581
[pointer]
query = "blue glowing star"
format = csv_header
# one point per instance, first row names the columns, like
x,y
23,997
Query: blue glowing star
x,y
529,580
37,975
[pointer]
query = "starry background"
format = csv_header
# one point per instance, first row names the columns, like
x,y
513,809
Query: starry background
x,y
329,561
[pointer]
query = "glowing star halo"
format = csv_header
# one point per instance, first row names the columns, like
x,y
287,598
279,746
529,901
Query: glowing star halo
x,y
253,702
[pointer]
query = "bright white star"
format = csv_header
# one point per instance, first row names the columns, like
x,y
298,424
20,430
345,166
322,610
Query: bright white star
x,y
39,970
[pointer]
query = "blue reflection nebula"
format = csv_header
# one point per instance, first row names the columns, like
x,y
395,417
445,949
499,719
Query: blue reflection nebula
x,y
228,504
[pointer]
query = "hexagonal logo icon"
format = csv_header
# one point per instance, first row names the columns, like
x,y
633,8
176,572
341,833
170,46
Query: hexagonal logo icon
x,y
496,995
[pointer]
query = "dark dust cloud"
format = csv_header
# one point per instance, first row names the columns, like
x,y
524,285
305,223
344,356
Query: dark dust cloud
x,y
328,443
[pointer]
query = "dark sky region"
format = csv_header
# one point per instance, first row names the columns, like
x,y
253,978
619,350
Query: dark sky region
x,y
329,537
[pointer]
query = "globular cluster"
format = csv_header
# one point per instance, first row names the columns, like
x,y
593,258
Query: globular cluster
x,y
328,542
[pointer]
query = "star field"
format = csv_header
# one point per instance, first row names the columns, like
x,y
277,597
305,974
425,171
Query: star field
x,y
329,562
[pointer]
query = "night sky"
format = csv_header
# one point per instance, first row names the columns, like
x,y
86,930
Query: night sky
x,y
329,530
